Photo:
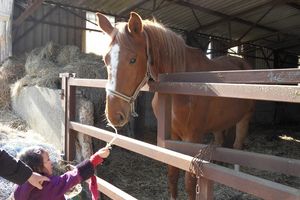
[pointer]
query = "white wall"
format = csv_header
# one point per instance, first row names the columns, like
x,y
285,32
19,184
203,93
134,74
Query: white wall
x,y
41,108
6,8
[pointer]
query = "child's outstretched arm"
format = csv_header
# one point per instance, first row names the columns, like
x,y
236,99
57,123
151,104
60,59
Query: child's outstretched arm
x,y
97,158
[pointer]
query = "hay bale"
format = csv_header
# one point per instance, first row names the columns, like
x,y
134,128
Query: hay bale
x,y
40,58
12,69
4,94
68,54
85,70
47,77
85,115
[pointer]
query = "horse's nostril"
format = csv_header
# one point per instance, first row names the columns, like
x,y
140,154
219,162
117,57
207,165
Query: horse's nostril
x,y
121,118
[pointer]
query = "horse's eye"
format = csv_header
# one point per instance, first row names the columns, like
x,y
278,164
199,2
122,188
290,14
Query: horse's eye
x,y
132,60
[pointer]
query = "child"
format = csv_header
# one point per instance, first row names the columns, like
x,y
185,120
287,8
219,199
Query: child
x,y
38,159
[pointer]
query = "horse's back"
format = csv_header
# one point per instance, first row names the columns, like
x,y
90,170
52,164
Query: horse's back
x,y
224,63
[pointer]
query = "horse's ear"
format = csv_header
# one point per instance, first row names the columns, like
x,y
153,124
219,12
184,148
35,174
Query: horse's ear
x,y
135,24
104,23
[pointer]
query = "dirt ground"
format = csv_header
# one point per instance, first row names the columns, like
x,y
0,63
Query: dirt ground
x,y
145,179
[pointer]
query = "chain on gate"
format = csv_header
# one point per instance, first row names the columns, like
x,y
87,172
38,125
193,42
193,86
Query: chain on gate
x,y
196,167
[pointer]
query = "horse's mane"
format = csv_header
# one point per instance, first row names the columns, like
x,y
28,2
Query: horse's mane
x,y
166,47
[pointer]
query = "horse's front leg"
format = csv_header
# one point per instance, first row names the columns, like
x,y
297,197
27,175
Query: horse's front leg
x,y
173,175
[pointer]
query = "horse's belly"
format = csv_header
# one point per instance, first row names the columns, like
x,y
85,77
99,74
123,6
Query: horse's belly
x,y
194,116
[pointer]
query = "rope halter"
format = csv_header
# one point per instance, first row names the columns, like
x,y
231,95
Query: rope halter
x,y
131,99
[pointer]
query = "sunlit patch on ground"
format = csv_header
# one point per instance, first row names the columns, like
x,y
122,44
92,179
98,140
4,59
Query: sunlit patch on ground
x,y
289,138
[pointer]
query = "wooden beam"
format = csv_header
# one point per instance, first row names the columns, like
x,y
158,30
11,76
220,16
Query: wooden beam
x,y
80,2
269,76
259,161
34,25
28,12
242,91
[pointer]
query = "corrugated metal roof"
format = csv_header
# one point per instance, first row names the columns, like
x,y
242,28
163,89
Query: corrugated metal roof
x,y
249,20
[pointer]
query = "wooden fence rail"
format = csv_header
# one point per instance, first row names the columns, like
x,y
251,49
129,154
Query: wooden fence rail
x,y
240,181
274,85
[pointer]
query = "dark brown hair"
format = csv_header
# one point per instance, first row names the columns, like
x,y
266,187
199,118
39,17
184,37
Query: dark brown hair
x,y
32,156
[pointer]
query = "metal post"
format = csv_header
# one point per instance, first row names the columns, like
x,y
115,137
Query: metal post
x,y
68,104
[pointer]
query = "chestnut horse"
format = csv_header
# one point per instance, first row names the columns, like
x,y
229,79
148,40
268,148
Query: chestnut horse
x,y
141,49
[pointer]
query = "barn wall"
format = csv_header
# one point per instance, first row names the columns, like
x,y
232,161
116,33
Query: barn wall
x,y
6,9
32,34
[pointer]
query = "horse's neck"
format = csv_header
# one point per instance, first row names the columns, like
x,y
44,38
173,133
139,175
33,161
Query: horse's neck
x,y
195,60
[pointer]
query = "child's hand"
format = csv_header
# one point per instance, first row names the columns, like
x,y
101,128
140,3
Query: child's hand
x,y
104,152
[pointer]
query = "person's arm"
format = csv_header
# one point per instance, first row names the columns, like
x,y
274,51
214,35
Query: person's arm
x,y
37,180
18,172
13,170
59,185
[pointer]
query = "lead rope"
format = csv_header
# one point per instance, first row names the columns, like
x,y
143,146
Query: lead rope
x,y
109,144
196,167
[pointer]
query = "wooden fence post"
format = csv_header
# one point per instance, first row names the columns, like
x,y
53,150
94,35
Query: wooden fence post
x,y
163,119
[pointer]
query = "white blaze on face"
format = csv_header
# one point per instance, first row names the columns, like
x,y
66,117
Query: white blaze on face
x,y
114,61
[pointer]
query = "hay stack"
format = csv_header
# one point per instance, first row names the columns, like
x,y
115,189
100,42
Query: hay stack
x,y
85,115
43,65
68,54
12,69
4,94
40,58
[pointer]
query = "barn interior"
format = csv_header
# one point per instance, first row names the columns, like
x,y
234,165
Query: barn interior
x,y
264,32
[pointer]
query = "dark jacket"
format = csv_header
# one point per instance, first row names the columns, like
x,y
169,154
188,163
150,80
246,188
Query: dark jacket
x,y
13,170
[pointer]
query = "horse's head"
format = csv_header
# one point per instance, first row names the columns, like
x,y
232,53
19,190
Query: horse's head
x,y
126,62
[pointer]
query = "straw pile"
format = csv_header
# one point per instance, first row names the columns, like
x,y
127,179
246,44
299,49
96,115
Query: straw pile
x,y
4,94
12,69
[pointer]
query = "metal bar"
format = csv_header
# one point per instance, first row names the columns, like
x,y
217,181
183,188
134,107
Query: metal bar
x,y
256,160
230,17
240,181
131,7
63,97
63,25
71,112
222,15
265,56
256,23
243,91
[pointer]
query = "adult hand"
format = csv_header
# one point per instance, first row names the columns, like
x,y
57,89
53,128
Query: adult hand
x,y
37,180
104,152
